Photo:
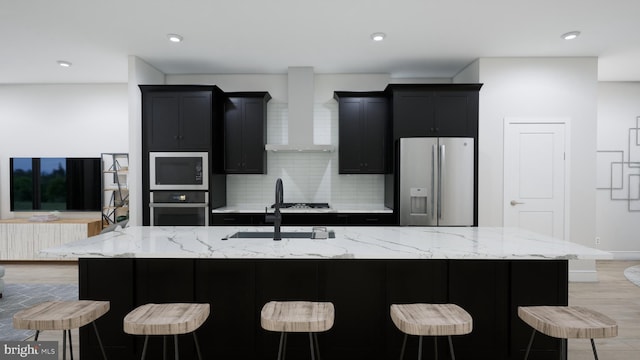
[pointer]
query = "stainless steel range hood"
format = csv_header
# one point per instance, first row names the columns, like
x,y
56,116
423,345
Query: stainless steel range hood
x,y
301,95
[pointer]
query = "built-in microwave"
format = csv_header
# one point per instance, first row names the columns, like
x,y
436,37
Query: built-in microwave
x,y
178,171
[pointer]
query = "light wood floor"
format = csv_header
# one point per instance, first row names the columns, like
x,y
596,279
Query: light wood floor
x,y
612,295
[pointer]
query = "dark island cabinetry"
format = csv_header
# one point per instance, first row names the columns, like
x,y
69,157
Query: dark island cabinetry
x,y
177,117
245,120
361,290
364,137
434,109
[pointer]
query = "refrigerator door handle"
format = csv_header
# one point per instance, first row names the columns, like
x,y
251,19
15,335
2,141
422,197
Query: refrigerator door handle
x,y
440,183
434,159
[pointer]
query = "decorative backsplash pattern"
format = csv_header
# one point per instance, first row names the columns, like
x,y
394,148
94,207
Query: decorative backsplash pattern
x,y
619,172
307,177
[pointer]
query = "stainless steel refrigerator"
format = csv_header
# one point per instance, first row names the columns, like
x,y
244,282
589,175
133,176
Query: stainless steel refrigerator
x,y
437,181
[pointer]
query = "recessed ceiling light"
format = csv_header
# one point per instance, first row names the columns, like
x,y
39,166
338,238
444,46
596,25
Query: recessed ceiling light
x,y
64,63
571,35
378,36
174,38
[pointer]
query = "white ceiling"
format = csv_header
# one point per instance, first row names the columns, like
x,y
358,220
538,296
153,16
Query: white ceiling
x,y
425,38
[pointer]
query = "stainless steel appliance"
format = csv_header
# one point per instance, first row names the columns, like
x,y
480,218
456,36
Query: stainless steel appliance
x,y
179,208
178,171
437,181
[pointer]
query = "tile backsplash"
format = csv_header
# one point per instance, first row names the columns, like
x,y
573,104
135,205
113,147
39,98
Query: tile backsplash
x,y
307,177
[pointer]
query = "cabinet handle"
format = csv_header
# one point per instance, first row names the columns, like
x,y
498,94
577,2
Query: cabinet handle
x,y
437,129
432,129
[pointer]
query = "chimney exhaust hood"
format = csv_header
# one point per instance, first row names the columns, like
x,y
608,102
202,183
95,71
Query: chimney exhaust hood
x,y
300,125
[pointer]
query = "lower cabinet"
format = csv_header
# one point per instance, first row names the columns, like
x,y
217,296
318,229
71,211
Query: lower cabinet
x,y
361,291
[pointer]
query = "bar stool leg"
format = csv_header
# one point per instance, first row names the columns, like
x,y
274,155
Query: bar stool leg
x,y
593,346
313,353
175,340
526,355
95,328
195,340
453,356
420,348
70,344
37,333
280,346
144,347
64,345
404,344
164,347
315,338
435,346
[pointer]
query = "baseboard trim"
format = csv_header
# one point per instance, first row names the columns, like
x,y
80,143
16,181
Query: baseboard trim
x,y
625,255
583,276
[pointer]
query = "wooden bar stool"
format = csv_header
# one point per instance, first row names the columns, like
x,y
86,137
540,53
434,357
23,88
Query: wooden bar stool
x,y
568,322
166,319
62,315
297,316
430,320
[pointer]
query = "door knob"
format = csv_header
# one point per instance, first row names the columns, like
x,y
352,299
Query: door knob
x,y
514,203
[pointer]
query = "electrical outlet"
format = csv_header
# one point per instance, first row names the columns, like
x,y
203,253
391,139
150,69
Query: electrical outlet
x,y
597,240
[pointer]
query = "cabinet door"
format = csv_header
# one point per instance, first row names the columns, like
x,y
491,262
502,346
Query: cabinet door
x,y
351,112
413,114
362,135
373,146
233,135
195,120
253,136
245,122
162,121
454,113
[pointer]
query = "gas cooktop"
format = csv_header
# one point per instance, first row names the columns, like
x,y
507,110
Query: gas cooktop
x,y
303,206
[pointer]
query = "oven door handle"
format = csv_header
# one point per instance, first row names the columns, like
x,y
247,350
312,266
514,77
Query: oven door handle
x,y
179,205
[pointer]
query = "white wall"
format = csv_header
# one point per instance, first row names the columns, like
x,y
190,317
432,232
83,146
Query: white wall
x,y
618,112
60,121
541,87
140,73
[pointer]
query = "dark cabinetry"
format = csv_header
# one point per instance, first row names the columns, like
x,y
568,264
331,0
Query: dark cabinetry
x,y
177,117
361,290
363,132
434,109
245,132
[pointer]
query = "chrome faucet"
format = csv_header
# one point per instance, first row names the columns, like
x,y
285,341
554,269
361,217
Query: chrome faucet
x,y
277,216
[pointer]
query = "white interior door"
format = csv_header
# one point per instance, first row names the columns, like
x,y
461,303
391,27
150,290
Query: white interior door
x,y
534,176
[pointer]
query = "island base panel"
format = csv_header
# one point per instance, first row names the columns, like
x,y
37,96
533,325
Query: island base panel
x,y
361,291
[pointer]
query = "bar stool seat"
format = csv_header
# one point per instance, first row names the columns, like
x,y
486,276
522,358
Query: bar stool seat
x,y
166,319
430,320
568,322
297,316
62,315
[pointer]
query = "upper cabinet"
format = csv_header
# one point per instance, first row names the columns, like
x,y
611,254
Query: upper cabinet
x,y
434,109
245,120
363,132
178,117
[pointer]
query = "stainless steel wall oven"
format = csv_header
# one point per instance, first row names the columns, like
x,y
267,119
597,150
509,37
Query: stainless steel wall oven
x,y
179,208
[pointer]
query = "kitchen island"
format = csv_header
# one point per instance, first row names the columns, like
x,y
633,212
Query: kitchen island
x,y
363,270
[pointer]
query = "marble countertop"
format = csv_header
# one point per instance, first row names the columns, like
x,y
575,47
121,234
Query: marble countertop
x,y
392,242
337,208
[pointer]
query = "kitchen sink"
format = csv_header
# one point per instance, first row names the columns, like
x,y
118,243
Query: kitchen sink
x,y
283,234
